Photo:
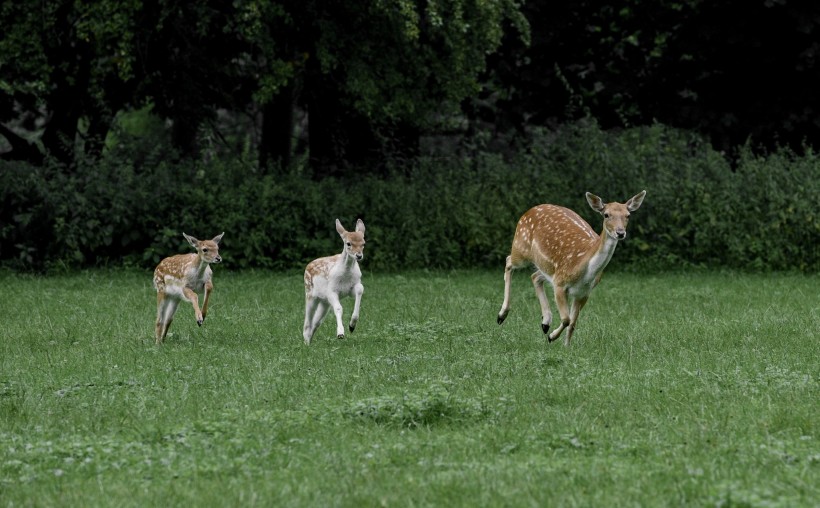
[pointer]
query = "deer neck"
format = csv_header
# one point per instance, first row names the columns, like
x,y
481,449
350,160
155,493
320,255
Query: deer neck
x,y
602,253
347,260
201,266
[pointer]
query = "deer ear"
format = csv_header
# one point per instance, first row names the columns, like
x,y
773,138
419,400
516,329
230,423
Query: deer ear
x,y
360,226
193,241
635,201
218,238
595,202
339,228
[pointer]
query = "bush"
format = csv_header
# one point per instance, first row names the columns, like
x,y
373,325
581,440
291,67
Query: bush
x,y
439,213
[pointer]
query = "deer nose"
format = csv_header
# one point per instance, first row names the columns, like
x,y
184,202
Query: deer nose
x,y
620,233
218,259
359,256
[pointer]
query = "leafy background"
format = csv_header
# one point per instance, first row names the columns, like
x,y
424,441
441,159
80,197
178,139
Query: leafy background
x,y
431,213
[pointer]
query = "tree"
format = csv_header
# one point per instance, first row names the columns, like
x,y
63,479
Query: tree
x,y
371,74
61,61
733,70
374,74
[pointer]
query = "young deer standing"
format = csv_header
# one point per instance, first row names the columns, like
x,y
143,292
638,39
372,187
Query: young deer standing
x,y
330,278
568,254
180,277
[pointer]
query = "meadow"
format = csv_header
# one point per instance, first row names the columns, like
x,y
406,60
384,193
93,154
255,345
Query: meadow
x,y
679,389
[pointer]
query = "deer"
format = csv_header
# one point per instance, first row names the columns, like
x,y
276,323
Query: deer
x,y
181,277
567,253
331,278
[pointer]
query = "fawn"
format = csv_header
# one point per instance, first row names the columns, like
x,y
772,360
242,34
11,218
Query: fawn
x,y
330,278
567,253
180,277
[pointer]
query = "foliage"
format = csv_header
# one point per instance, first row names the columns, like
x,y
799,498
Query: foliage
x,y
677,62
410,410
70,68
443,213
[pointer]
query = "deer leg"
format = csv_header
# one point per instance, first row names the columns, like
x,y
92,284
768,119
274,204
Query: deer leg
x,y
336,305
313,316
561,303
315,312
167,317
160,324
357,291
209,287
505,306
310,309
577,305
538,280
191,296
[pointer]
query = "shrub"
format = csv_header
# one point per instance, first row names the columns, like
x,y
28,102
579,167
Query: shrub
x,y
438,213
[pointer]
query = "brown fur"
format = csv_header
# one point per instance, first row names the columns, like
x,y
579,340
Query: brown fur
x,y
181,277
568,254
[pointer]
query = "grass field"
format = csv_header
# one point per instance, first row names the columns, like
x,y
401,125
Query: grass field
x,y
679,389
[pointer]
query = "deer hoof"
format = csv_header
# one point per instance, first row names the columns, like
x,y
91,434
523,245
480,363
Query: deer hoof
x,y
199,322
340,336
501,318
352,327
546,329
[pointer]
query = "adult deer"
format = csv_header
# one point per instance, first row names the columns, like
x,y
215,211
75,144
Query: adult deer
x,y
329,279
180,277
568,254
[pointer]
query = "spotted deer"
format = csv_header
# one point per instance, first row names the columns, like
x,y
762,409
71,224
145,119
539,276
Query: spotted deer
x,y
180,277
567,253
329,279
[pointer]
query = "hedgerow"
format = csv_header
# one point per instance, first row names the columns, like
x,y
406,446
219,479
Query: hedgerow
x,y
700,211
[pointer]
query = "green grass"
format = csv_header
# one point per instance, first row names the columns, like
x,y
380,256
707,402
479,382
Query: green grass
x,y
679,389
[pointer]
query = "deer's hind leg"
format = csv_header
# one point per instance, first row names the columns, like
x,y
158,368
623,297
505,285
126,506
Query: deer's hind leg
x,y
505,305
315,311
166,307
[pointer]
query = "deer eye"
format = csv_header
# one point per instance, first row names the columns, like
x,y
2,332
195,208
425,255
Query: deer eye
x,y
348,244
205,249
606,216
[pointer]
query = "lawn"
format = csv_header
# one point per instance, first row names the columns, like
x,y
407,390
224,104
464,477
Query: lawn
x,y
678,389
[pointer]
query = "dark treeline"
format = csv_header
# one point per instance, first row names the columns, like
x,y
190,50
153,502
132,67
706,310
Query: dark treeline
x,y
124,123
348,85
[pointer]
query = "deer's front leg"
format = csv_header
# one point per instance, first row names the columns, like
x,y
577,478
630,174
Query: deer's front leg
x,y
191,296
358,290
209,287
577,305
563,310
538,280
336,305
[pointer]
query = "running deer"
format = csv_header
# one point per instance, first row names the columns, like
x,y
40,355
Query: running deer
x,y
180,277
568,254
330,278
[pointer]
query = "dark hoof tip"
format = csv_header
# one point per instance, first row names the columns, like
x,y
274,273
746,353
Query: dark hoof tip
x,y
545,328
352,327
199,322
501,319
551,340
342,336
